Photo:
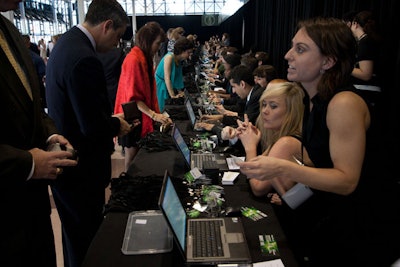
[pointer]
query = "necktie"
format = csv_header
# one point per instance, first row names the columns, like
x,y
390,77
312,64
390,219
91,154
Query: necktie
x,y
21,74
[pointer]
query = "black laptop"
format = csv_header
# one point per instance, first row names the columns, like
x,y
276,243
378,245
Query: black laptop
x,y
192,116
225,241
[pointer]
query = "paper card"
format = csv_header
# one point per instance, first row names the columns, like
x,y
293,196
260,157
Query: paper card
x,y
229,178
232,162
273,263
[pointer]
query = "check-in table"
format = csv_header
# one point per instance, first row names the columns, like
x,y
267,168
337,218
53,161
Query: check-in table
x,y
105,249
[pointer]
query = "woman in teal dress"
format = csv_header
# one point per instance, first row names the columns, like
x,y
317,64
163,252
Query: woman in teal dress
x,y
169,76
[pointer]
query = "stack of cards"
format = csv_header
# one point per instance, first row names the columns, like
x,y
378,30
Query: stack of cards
x,y
229,178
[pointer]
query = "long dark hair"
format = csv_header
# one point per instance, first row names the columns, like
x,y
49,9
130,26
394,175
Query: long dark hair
x,y
145,38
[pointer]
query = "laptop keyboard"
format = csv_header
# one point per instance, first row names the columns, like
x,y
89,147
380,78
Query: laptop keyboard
x,y
200,158
206,238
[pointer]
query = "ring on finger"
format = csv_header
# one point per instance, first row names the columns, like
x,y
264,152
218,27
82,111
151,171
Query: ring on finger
x,y
59,171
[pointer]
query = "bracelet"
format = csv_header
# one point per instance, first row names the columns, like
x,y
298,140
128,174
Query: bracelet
x,y
153,115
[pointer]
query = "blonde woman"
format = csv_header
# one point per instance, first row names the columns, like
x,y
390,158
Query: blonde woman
x,y
278,131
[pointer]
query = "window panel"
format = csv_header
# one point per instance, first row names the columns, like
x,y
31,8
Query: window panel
x,y
45,18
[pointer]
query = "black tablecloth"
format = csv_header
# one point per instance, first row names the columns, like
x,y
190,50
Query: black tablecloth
x,y
105,249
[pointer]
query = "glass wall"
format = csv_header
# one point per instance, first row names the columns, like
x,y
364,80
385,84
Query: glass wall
x,y
171,7
44,18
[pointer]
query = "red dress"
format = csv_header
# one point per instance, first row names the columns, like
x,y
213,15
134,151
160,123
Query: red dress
x,y
134,84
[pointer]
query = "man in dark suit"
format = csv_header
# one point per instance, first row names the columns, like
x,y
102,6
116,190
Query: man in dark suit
x,y
77,100
249,93
242,82
112,62
26,168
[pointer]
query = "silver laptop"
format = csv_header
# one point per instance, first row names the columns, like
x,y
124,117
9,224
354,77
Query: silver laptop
x,y
226,244
192,159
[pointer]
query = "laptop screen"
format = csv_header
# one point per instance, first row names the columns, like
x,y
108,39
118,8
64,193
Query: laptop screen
x,y
190,111
181,144
174,211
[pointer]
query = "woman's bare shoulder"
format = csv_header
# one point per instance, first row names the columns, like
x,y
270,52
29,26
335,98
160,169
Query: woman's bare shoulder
x,y
285,147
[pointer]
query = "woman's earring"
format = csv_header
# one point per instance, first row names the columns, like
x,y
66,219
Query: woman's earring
x,y
321,71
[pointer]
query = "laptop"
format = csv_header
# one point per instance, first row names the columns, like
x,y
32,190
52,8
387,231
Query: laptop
x,y
230,241
193,159
190,96
192,115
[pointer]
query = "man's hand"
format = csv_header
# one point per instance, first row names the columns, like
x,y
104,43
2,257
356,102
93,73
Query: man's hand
x,y
124,127
48,164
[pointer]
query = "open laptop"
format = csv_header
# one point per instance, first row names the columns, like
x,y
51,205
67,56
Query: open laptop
x,y
192,115
190,96
230,241
192,159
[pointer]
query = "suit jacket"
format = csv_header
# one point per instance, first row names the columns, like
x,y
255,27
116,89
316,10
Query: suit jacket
x,y
251,108
25,203
112,63
77,100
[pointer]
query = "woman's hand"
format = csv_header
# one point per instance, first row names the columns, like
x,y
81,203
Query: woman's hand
x,y
249,135
263,167
214,98
161,118
208,118
275,199
204,125
242,125
220,109
178,95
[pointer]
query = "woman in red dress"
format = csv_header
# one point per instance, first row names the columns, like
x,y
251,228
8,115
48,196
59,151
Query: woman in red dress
x,y
137,83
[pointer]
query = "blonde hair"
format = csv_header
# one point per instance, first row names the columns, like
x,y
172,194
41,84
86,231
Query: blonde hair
x,y
293,121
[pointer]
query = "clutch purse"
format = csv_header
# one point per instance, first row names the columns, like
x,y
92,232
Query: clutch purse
x,y
131,111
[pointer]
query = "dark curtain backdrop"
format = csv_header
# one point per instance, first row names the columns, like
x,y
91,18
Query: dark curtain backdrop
x,y
270,25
